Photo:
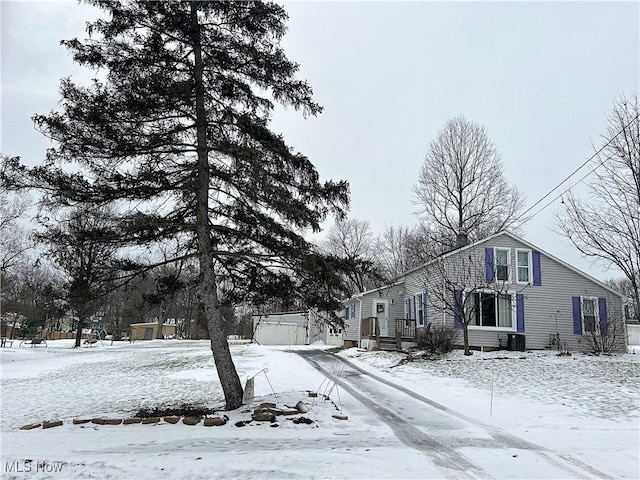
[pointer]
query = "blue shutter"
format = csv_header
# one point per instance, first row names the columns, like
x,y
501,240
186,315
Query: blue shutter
x,y
457,309
520,311
537,274
424,307
602,311
407,308
346,314
577,316
488,264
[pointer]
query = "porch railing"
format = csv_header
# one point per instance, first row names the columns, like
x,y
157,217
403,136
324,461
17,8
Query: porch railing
x,y
406,328
370,327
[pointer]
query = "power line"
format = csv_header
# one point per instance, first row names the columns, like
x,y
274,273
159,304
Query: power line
x,y
573,173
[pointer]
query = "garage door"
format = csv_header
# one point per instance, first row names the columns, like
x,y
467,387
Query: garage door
x,y
280,334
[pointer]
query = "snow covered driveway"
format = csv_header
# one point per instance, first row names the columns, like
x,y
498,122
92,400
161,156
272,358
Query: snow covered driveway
x,y
443,434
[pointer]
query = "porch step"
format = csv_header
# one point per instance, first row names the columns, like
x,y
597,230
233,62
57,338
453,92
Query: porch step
x,y
388,344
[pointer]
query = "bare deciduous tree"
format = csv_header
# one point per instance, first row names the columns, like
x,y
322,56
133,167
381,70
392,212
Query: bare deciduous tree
x,y
606,226
14,239
351,239
400,249
462,188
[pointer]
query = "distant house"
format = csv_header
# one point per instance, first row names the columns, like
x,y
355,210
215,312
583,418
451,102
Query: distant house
x,y
511,294
294,328
148,331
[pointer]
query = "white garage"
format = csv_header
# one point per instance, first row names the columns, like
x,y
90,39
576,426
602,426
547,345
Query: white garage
x,y
294,328
286,328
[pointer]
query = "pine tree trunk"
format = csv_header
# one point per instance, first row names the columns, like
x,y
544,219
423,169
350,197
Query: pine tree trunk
x,y
227,374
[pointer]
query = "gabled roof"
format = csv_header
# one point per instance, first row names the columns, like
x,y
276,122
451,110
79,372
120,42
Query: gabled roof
x,y
280,314
362,294
524,242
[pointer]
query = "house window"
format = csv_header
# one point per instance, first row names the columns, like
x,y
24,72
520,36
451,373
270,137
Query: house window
x,y
419,298
590,323
523,266
502,264
488,309
353,311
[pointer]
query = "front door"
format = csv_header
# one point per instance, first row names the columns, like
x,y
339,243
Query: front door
x,y
381,312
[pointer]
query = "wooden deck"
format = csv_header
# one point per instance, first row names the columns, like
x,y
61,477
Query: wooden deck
x,y
404,331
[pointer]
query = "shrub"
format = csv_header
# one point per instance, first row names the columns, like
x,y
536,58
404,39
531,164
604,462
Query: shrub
x,y
437,340
608,338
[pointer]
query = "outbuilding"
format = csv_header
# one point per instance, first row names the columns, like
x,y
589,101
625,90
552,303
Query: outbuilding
x,y
149,331
294,328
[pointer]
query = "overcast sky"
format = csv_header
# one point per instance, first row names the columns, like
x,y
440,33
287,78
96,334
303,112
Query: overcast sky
x,y
539,77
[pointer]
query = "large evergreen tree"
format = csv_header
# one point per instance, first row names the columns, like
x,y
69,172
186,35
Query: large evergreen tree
x,y
177,136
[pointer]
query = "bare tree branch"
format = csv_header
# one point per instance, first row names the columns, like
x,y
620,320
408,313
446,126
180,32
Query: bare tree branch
x,y
606,226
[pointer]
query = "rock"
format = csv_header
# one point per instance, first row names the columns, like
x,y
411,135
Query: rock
x,y
267,405
150,420
172,419
301,407
98,421
112,421
191,420
129,421
243,423
275,425
263,416
55,423
30,426
78,421
214,421
340,417
289,412
306,420
275,411
313,394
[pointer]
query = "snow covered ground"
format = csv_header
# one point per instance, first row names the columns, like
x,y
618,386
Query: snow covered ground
x,y
586,408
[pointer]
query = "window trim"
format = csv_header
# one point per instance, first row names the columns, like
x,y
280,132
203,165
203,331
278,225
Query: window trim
x,y
495,264
529,266
596,310
514,312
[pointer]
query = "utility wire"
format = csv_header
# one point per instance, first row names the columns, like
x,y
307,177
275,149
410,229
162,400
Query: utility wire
x,y
573,173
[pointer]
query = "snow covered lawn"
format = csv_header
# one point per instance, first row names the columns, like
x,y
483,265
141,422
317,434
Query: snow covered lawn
x,y
587,407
